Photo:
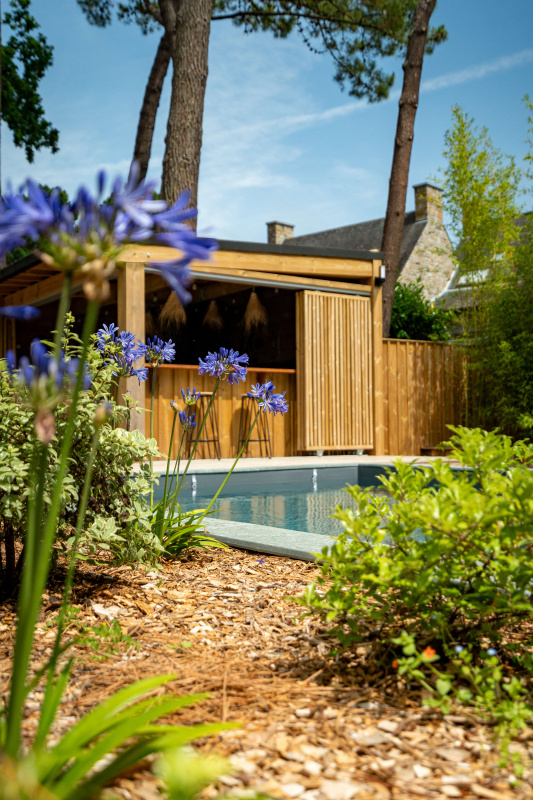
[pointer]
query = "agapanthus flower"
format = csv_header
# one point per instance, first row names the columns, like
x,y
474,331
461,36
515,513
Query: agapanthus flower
x,y
43,382
87,236
224,364
158,351
267,398
20,312
187,423
122,351
190,398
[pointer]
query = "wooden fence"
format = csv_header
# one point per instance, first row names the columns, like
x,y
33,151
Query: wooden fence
x,y
228,402
423,389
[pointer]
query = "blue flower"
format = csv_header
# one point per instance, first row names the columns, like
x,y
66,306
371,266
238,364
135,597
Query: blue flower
x,y
20,312
44,376
187,423
106,335
122,351
190,398
90,235
225,363
268,400
158,351
492,652
459,648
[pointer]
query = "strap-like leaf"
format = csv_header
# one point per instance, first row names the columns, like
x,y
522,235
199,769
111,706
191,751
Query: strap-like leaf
x,y
172,737
86,759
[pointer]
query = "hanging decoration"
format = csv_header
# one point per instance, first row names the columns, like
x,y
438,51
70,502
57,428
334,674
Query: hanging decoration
x,y
212,317
172,314
255,314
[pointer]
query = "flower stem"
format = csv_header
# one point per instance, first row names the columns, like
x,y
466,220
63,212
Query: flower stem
x,y
162,505
154,376
200,429
62,312
46,719
241,451
27,607
37,573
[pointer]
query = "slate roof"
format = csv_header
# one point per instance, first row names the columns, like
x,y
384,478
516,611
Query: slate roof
x,y
364,236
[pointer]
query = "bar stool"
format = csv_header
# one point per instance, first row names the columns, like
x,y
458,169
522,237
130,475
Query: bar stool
x,y
210,434
260,433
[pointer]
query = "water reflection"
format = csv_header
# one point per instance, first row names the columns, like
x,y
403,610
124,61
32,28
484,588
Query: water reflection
x,y
299,511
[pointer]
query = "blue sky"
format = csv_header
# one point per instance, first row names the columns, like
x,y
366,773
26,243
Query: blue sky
x,y
281,140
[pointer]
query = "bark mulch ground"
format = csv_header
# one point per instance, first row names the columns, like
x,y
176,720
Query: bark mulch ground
x,y
311,727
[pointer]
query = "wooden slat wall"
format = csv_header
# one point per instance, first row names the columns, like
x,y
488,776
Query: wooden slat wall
x,y
171,379
424,392
7,335
334,372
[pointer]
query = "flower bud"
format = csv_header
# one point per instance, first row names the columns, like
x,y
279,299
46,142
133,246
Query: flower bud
x,y
103,414
45,425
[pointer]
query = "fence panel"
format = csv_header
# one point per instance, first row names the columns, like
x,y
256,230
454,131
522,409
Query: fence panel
x,y
424,391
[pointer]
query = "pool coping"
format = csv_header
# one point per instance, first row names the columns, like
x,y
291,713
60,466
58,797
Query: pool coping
x,y
269,540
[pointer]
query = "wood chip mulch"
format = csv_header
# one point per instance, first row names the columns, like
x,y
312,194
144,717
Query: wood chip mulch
x,y
311,727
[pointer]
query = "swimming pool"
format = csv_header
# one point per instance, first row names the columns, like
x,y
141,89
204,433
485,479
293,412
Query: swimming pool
x,y
293,499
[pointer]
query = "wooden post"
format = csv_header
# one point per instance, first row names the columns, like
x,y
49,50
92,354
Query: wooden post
x,y
130,314
377,361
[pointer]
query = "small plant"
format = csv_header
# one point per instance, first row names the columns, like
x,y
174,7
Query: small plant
x,y
472,679
445,563
103,639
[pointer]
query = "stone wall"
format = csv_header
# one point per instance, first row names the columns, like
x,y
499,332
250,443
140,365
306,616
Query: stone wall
x,y
431,260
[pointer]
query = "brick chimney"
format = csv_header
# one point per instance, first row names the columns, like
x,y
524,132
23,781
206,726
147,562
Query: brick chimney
x,y
428,202
278,232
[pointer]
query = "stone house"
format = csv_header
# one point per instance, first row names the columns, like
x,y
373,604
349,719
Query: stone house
x,y
426,250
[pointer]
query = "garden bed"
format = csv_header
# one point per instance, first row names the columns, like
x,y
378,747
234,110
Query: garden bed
x,y
312,727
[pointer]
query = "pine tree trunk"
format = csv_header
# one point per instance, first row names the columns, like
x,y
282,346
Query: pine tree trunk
x,y
152,96
191,20
395,216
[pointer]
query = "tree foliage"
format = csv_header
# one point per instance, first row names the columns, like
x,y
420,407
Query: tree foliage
x,y
25,58
495,258
357,34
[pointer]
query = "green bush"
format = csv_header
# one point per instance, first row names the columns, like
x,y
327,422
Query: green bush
x,y
443,565
415,317
118,515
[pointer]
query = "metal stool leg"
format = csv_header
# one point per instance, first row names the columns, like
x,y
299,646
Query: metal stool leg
x,y
210,434
248,411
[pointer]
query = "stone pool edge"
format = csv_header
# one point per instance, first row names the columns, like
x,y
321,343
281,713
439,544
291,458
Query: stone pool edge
x,y
268,540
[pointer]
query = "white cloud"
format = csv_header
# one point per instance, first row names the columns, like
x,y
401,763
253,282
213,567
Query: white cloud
x,y
478,71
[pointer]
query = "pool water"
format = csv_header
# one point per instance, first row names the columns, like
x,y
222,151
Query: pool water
x,y
297,511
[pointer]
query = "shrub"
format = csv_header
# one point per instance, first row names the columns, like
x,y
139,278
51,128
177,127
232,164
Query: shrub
x,y
414,317
117,517
443,566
